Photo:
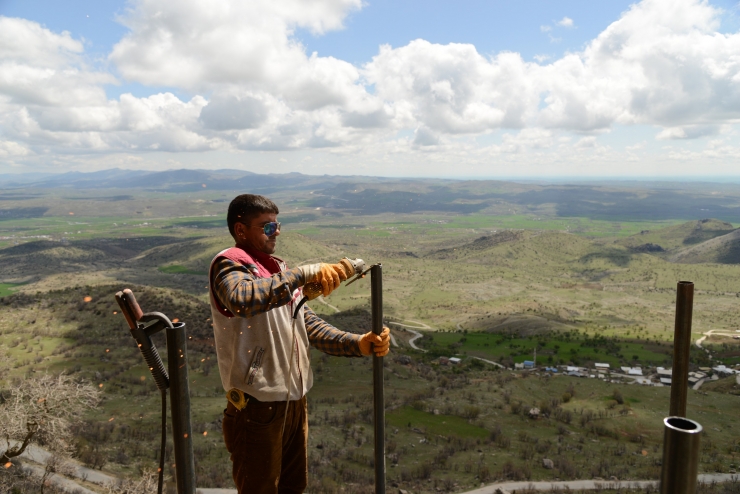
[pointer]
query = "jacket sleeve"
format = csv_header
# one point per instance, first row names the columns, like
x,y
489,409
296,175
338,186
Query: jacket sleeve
x,y
246,295
328,339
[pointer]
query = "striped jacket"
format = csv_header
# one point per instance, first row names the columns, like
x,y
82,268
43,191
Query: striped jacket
x,y
253,296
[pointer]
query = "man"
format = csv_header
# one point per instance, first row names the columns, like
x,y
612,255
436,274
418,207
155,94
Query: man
x,y
263,350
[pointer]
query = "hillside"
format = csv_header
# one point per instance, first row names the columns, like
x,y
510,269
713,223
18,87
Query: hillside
x,y
449,427
667,241
722,250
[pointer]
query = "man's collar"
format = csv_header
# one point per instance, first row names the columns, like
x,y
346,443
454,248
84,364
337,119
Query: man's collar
x,y
259,256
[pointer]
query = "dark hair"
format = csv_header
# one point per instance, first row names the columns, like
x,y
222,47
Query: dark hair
x,y
247,206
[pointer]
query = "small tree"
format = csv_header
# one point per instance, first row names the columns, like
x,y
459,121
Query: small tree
x,y
41,410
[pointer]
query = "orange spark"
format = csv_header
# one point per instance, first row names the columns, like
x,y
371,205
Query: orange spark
x,y
87,299
111,419
175,320
8,465
205,433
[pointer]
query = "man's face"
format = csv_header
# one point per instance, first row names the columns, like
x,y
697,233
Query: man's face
x,y
252,235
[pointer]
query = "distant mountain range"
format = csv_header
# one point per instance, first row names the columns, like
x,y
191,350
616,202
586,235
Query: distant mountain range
x,y
183,180
372,195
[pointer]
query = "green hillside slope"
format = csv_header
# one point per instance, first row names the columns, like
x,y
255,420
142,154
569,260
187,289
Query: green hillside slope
x,y
668,240
723,250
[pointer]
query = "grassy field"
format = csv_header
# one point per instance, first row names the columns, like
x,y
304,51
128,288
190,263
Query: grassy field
x,y
552,349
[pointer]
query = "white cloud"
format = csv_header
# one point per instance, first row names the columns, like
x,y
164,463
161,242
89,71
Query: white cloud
x,y
586,142
452,88
527,139
565,22
662,63
10,148
201,45
229,112
21,40
425,137
688,132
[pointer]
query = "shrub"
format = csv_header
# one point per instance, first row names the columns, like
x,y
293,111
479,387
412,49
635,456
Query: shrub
x,y
617,395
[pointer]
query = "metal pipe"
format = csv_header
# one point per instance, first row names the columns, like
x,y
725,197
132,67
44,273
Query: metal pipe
x,y
182,434
681,346
681,440
376,295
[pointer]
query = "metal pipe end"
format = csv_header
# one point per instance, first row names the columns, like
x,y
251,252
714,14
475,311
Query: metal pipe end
x,y
681,424
685,282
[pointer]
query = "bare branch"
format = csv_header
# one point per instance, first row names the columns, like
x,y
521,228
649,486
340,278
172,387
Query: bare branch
x,y
42,409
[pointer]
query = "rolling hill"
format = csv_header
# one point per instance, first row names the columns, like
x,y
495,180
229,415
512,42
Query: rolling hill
x,y
666,242
722,250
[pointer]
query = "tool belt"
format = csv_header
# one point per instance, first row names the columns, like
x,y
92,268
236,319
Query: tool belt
x,y
239,398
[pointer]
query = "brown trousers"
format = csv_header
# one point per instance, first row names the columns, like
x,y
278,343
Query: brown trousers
x,y
264,462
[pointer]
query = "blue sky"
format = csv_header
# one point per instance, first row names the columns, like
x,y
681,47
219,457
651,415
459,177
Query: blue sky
x,y
472,88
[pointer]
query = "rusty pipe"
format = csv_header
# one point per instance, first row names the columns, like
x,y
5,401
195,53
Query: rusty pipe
x,y
376,297
681,346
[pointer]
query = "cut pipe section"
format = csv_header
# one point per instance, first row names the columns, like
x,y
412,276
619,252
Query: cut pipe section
x,y
681,442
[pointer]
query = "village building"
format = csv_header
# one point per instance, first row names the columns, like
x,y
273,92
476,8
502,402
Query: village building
x,y
664,372
723,370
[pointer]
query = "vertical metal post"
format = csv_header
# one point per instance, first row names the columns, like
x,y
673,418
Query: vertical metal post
x,y
681,346
680,456
376,292
182,434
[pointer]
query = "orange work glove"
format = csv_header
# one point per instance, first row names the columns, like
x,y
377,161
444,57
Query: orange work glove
x,y
328,276
373,343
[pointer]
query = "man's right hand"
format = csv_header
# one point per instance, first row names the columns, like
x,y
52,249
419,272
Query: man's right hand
x,y
328,275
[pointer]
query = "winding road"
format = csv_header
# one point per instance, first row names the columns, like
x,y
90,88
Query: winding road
x,y
710,333
416,334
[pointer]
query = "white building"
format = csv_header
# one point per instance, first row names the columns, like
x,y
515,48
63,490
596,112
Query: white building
x,y
723,370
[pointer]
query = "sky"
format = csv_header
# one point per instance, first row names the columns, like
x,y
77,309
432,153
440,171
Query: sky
x,y
466,89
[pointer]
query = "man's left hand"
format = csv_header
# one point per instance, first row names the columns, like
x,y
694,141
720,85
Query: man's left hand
x,y
380,344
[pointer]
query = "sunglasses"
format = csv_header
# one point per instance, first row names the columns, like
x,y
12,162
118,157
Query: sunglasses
x,y
269,228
